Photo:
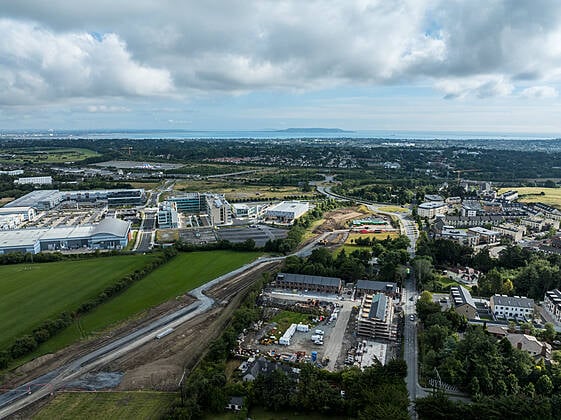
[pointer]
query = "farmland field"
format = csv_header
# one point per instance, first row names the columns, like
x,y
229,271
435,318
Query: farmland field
x,y
32,293
380,236
47,155
183,273
550,196
107,405
393,209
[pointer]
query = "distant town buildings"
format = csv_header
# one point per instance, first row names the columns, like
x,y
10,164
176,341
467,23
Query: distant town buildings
x,y
35,180
431,209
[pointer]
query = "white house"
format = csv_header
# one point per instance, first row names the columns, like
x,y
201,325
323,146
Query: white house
x,y
512,307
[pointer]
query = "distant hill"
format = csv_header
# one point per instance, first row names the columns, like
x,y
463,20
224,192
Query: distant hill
x,y
313,130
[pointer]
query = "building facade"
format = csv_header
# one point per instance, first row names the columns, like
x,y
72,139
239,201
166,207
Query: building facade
x,y
552,304
304,282
512,306
462,302
432,209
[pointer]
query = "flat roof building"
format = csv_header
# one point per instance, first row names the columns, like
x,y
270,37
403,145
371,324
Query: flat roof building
x,y
431,209
39,199
287,211
35,180
108,234
28,213
375,318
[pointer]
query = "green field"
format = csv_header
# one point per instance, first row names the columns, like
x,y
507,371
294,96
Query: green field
x,y
46,155
32,293
285,318
183,273
107,405
550,196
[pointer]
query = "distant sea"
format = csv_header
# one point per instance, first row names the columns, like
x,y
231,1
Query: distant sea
x,y
271,134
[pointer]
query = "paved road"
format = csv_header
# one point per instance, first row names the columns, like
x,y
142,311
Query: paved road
x,y
410,352
335,343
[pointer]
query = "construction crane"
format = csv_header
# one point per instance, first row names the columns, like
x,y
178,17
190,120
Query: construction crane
x,y
460,171
128,148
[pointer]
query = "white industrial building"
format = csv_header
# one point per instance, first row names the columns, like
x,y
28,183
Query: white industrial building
x,y
108,234
35,180
28,213
10,221
287,211
39,199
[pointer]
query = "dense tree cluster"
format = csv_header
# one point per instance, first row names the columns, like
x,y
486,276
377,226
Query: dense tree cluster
x,y
391,254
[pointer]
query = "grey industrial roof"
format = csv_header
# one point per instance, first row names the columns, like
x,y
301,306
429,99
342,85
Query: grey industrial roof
x,y
303,278
31,199
111,226
461,295
520,302
22,237
376,285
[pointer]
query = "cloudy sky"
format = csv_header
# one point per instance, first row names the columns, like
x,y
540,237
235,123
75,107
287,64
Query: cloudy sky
x,y
470,65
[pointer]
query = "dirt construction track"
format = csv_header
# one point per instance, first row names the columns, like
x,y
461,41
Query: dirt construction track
x,y
160,364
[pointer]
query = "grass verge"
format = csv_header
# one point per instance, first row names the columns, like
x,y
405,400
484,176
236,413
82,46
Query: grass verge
x,y
107,405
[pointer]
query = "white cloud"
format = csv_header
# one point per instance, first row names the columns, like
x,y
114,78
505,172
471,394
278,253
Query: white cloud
x,y
107,108
540,92
469,48
38,65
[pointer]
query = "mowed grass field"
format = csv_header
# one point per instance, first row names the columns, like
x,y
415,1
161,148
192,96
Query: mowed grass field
x,y
107,405
49,155
32,293
550,196
183,273
380,236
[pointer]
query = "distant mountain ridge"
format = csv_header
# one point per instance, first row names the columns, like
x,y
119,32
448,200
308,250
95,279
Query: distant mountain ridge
x,y
313,130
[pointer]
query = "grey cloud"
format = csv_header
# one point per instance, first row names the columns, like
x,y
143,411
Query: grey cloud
x,y
477,48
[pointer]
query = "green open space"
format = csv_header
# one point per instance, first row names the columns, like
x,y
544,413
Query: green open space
x,y
241,191
549,196
107,405
46,155
285,318
32,293
183,273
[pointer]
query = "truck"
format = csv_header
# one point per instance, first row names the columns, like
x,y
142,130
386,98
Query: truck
x,y
163,333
